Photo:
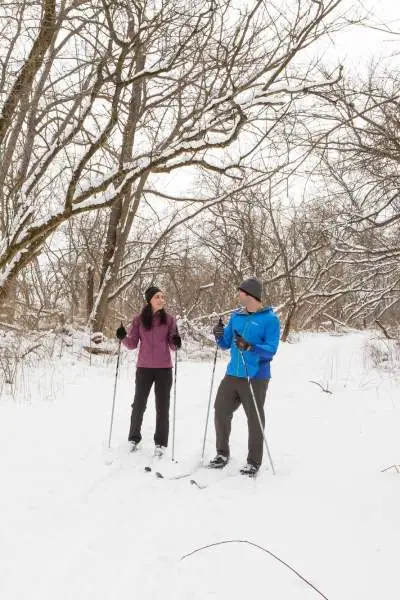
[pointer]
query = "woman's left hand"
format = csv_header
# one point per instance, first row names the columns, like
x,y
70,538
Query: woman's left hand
x,y
177,340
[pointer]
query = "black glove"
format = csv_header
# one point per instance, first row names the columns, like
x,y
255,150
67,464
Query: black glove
x,y
177,340
241,343
121,332
218,329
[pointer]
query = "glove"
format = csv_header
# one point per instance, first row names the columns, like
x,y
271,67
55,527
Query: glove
x,y
241,343
121,332
177,340
218,329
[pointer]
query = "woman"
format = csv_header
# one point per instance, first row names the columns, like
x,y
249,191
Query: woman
x,y
157,333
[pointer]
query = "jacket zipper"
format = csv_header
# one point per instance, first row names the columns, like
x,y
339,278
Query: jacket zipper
x,y
238,351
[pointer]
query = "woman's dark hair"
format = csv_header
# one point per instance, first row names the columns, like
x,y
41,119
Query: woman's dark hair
x,y
146,316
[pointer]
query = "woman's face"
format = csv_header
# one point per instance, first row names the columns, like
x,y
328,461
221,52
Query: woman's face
x,y
158,301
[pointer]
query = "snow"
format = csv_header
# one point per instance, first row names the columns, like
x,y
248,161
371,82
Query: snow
x,y
206,286
80,521
6,271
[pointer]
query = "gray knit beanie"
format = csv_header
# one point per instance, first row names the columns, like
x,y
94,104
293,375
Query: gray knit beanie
x,y
252,286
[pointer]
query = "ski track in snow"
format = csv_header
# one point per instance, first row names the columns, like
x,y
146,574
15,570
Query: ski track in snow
x,y
80,521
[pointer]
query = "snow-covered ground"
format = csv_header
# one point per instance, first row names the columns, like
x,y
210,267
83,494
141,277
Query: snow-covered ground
x,y
78,521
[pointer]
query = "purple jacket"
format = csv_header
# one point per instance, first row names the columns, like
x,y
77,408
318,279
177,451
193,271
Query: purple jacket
x,y
155,343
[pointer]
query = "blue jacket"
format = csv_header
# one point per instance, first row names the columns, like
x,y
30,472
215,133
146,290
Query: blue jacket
x,y
261,330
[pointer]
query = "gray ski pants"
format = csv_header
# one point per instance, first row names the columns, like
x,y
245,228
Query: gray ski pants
x,y
232,392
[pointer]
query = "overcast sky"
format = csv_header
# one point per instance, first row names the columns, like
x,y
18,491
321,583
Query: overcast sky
x,y
357,45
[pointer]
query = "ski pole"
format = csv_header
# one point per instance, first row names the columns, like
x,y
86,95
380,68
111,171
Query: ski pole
x,y
257,411
115,391
209,403
174,407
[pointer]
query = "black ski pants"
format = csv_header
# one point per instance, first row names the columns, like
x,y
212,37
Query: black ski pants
x,y
162,379
232,392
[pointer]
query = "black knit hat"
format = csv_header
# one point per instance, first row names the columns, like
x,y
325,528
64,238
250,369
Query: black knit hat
x,y
150,292
253,287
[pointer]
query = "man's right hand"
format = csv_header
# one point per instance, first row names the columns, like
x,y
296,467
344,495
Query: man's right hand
x,y
218,329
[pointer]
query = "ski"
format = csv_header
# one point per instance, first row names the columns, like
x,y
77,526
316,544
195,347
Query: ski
x,y
160,475
209,476
149,469
200,486
155,459
200,476
183,474
249,475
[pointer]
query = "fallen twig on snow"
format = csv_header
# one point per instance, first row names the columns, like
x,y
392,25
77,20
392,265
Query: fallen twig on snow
x,y
264,550
322,388
396,467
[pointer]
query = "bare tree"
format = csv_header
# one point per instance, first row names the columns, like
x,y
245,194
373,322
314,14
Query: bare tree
x,y
359,157
113,95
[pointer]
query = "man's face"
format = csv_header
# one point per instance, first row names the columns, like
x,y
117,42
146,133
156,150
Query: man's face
x,y
243,298
158,301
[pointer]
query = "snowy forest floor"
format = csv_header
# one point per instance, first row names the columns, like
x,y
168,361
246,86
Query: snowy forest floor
x,y
79,521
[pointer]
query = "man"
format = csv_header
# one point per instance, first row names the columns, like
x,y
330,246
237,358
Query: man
x,y
252,334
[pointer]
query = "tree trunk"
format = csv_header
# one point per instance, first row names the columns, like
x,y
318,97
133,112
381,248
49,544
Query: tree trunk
x,y
122,212
89,291
113,253
8,296
288,323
